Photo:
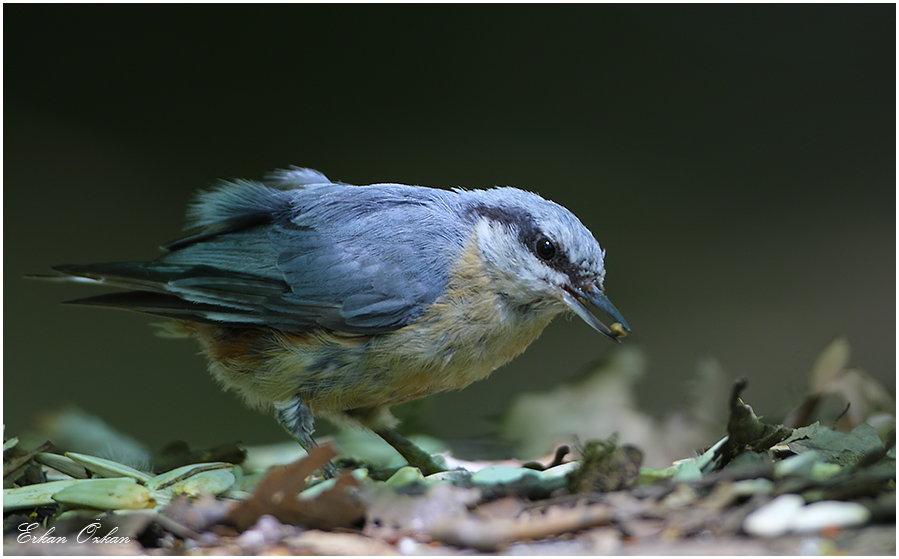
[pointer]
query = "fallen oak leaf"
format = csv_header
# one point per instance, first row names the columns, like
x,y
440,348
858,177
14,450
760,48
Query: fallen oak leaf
x,y
277,495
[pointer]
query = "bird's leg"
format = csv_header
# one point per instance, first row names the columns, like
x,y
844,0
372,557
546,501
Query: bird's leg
x,y
378,420
413,454
296,418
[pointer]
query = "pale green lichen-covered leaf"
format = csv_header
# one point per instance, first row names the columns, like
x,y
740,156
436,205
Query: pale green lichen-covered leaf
x,y
796,465
501,474
62,464
179,475
102,494
107,468
405,476
214,482
687,470
36,495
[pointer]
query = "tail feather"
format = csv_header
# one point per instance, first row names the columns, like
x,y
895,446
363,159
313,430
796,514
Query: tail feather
x,y
165,305
199,293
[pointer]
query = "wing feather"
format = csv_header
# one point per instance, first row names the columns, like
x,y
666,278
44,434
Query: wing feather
x,y
297,256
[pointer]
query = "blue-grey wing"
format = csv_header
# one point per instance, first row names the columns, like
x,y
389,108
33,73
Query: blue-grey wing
x,y
381,253
298,256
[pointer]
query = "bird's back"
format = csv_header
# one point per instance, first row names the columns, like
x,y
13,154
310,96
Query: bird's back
x,y
345,258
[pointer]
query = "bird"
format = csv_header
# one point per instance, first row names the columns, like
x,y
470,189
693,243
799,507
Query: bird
x,y
317,298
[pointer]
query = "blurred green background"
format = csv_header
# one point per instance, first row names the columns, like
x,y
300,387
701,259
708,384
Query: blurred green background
x,y
737,163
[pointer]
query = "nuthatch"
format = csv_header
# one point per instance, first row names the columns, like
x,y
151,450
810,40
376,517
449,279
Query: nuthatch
x,y
319,298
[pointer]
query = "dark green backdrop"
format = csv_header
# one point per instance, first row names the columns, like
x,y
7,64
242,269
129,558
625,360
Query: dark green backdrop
x,y
737,163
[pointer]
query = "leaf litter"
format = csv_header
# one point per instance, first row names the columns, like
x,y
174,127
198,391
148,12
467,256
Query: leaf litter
x,y
764,488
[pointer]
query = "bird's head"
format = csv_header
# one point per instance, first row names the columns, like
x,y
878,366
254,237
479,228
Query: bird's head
x,y
541,256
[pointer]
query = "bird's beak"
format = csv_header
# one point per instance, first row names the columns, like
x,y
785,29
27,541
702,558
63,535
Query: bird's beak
x,y
576,298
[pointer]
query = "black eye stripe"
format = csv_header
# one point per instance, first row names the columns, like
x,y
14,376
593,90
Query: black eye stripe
x,y
551,253
525,224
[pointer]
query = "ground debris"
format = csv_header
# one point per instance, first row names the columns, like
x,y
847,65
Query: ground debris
x,y
835,447
391,515
746,431
488,533
763,489
843,396
276,495
19,467
606,466
317,542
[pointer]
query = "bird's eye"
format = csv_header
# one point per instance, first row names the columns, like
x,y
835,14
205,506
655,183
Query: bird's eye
x,y
545,248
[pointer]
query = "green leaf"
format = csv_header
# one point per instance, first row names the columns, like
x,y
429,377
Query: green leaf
x,y
832,446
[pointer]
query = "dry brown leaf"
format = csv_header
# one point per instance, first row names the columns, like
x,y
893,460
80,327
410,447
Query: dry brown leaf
x,y
277,492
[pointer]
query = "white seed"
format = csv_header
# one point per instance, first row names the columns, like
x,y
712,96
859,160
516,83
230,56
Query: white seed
x,y
829,514
774,518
